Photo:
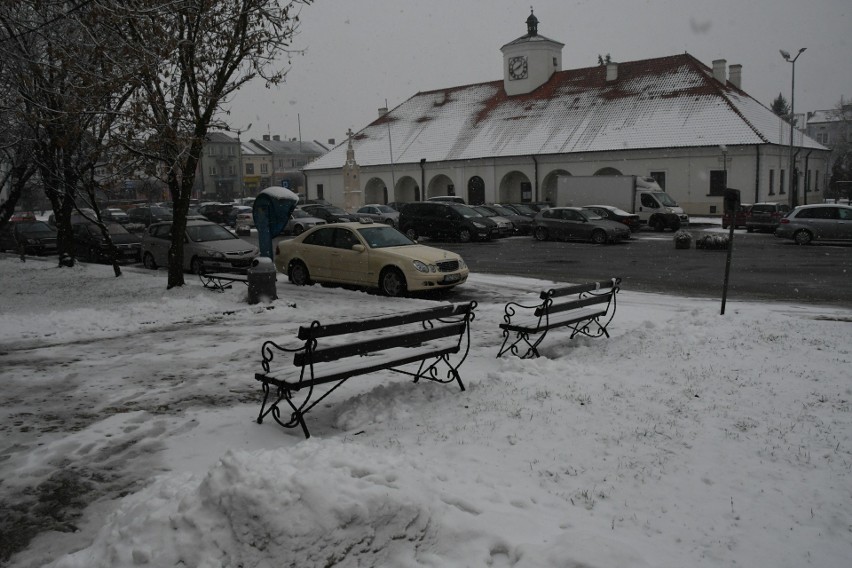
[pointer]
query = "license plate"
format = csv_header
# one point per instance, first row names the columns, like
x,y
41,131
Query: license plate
x,y
452,278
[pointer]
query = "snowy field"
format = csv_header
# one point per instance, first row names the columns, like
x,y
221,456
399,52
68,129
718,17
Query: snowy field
x,y
687,439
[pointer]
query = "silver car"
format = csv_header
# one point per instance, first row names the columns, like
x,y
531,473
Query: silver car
x,y
574,223
206,246
818,222
300,221
379,214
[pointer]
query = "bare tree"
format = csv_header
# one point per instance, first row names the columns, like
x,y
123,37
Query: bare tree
x,y
64,93
191,56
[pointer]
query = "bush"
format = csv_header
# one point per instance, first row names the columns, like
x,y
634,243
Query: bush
x,y
712,242
683,239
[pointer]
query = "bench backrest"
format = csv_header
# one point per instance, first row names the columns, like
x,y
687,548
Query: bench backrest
x,y
436,323
595,293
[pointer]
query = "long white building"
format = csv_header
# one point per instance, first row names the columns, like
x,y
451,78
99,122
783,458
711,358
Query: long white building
x,y
690,126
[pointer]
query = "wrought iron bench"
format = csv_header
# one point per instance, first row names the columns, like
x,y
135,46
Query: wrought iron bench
x,y
433,343
221,281
586,309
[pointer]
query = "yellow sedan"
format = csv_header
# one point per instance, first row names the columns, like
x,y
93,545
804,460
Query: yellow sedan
x,y
368,255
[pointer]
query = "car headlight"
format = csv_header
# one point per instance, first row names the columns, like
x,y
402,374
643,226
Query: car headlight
x,y
477,224
425,268
33,241
214,254
462,264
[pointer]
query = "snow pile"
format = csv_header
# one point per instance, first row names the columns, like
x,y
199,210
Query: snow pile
x,y
686,439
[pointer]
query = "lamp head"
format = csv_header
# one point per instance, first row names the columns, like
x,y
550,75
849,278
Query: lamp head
x,y
801,50
785,54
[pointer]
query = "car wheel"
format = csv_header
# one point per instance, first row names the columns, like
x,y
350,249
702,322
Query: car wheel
x,y
298,273
298,230
540,234
659,225
148,261
464,236
392,282
803,237
411,234
599,237
196,266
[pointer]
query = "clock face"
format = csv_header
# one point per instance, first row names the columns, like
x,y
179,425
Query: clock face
x,y
518,67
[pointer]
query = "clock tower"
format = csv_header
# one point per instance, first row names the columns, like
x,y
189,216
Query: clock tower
x,y
530,60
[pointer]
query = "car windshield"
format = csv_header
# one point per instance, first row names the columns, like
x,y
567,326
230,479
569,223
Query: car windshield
x,y
501,210
665,199
206,233
465,211
35,228
299,214
385,209
382,237
620,212
524,210
335,210
485,212
117,229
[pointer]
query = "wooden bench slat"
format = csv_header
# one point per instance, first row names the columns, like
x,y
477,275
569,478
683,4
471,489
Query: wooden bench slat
x,y
345,372
318,331
351,349
542,325
575,304
576,289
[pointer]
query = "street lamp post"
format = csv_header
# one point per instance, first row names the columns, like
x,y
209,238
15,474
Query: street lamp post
x,y
240,178
794,198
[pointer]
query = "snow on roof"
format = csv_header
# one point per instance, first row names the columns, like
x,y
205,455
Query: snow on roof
x,y
655,103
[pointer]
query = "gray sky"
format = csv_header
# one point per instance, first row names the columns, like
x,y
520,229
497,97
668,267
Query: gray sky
x,y
360,53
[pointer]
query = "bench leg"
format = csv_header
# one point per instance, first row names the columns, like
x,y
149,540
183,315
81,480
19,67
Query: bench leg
x,y
431,373
297,416
532,346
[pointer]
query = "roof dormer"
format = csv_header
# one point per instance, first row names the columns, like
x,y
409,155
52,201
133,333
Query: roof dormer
x,y
530,60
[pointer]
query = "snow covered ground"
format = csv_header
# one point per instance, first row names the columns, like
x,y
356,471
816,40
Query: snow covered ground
x,y
687,439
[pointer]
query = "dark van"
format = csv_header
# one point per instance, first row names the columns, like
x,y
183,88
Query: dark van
x,y
435,219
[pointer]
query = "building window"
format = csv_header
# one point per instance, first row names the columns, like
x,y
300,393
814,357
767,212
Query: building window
x,y
816,180
230,150
808,181
781,189
211,150
230,170
320,191
660,178
771,182
280,162
264,168
718,182
250,169
212,170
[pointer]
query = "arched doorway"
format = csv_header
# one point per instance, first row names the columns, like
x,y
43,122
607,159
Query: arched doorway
x,y
548,185
375,191
406,190
441,185
607,172
512,188
476,190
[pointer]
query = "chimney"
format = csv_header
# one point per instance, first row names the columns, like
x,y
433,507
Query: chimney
x,y
266,137
383,111
276,137
331,141
611,71
735,76
719,70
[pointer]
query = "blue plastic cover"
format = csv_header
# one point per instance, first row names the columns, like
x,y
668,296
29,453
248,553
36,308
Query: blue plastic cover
x,y
271,211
